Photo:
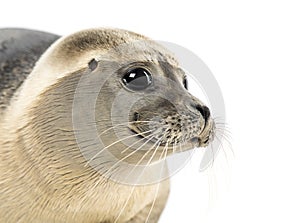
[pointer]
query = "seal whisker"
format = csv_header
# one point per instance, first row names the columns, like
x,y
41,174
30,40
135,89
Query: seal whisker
x,y
158,185
223,127
134,186
224,135
227,140
174,147
126,202
159,142
151,158
141,147
218,118
114,144
180,149
221,123
145,137
224,130
125,123
130,154
221,144
213,155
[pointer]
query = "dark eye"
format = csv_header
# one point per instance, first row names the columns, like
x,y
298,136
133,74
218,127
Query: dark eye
x,y
185,83
137,79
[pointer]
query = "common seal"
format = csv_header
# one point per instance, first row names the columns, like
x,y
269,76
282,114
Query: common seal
x,y
44,175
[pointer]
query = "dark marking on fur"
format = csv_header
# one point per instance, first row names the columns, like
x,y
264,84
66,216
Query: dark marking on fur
x,y
19,51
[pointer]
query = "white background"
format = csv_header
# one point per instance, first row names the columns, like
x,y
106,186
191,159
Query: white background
x,y
253,49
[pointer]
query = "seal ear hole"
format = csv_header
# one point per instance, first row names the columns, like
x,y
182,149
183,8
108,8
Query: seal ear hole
x,y
93,64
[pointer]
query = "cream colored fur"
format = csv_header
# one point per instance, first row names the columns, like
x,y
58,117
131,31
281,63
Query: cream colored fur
x,y
43,176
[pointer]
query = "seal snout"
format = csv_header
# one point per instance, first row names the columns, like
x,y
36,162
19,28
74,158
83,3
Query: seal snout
x,y
206,129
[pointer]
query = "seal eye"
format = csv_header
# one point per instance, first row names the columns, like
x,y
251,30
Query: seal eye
x,y
185,83
137,79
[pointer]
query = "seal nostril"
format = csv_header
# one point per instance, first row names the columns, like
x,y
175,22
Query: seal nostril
x,y
204,111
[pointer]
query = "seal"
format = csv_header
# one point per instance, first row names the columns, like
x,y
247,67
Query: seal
x,y
51,169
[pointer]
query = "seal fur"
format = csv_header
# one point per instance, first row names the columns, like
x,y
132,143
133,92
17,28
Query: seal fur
x,y
44,177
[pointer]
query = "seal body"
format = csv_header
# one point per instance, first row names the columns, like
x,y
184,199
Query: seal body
x,y
37,189
51,167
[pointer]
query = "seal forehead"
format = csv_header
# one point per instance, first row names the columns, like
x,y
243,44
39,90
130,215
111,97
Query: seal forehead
x,y
97,39
98,42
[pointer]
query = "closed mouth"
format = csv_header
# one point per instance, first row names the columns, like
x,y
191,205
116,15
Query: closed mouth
x,y
201,140
137,134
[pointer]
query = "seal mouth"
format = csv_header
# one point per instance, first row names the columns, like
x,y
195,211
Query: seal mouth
x,y
207,135
138,135
196,141
141,136
202,139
